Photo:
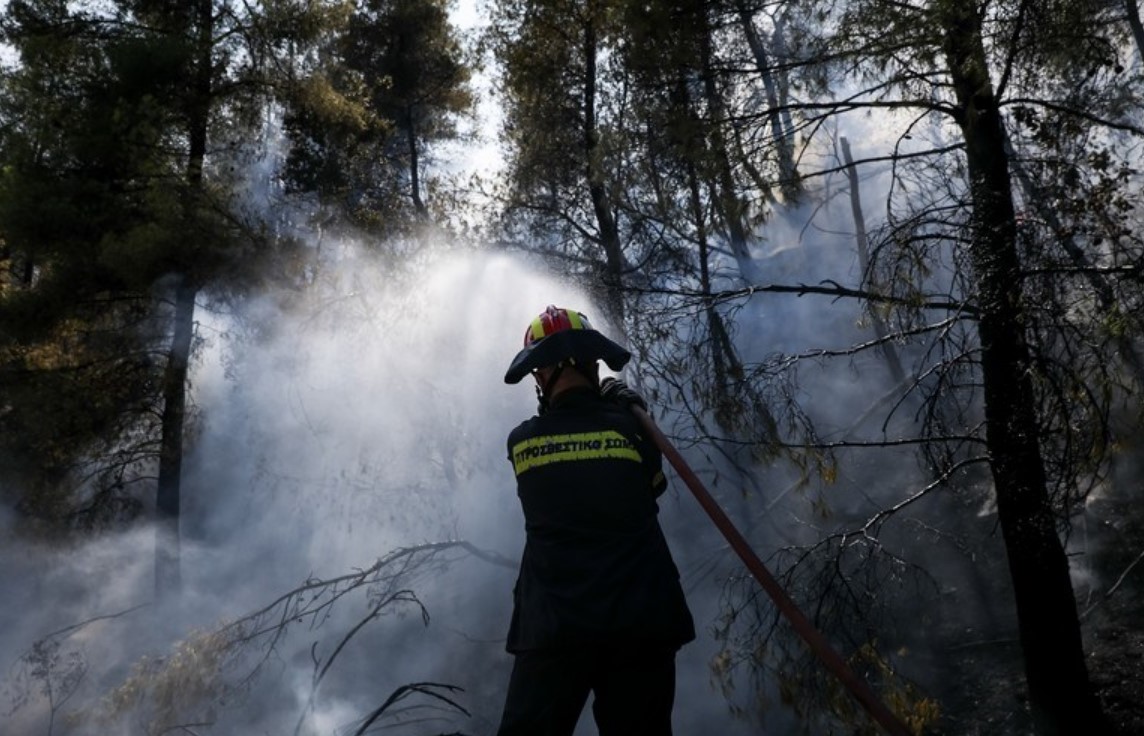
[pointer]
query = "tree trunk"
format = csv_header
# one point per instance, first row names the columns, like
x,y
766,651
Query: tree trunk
x,y
730,205
597,188
27,271
714,325
892,360
415,168
725,405
788,171
167,501
168,494
1059,689
725,361
782,56
1133,12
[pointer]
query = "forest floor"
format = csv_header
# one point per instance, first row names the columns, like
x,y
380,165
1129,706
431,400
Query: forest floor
x,y
992,700
1114,629
989,696
1114,639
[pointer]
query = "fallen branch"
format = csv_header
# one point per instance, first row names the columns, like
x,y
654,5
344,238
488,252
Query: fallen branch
x,y
424,688
210,667
1119,581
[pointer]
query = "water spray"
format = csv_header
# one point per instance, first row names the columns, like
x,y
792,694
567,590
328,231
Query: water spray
x,y
787,607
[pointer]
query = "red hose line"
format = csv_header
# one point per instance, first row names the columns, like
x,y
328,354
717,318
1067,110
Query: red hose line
x,y
811,635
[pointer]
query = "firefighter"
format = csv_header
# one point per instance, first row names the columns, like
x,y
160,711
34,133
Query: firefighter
x,y
597,605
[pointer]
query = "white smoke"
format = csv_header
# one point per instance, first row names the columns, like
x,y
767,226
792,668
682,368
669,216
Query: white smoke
x,y
365,416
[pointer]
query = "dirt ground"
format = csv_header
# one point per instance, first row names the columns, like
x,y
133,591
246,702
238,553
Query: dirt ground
x,y
1115,641
1114,628
988,697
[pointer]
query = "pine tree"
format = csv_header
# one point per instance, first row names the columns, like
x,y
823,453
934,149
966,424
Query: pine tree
x,y
388,88
137,109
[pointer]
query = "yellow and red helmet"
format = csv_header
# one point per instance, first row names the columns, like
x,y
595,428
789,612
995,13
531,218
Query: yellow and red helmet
x,y
559,335
553,320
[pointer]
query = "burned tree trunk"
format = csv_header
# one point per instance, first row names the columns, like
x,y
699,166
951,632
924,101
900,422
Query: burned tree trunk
x,y
892,361
1059,689
783,139
167,500
168,493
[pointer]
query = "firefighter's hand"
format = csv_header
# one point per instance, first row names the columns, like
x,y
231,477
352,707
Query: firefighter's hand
x,y
620,393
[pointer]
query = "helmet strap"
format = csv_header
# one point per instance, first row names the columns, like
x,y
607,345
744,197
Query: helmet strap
x,y
547,390
590,370
541,401
543,390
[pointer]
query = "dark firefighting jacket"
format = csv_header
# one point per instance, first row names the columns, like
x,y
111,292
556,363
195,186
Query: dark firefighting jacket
x,y
596,567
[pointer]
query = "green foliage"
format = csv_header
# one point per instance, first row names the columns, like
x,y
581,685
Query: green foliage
x,y
541,49
116,176
73,363
85,389
386,89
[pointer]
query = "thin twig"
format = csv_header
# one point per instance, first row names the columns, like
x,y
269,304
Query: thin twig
x,y
75,627
1124,574
418,687
1108,593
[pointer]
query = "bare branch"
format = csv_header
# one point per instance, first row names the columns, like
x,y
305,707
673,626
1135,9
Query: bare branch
x,y
836,290
424,688
1082,114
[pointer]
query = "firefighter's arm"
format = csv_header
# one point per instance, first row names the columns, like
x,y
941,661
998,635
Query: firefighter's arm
x,y
620,393
655,469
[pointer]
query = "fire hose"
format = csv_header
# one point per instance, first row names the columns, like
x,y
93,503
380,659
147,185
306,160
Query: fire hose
x,y
782,600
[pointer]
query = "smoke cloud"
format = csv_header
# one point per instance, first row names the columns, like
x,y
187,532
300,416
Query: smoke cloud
x,y
366,416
